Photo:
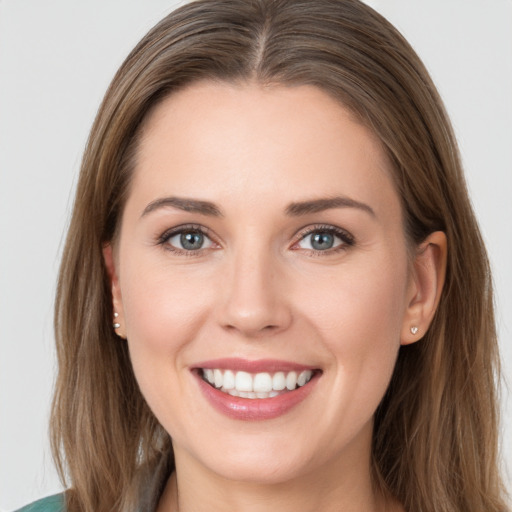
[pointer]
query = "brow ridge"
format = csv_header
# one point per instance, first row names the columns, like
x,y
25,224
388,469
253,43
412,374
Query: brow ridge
x,y
295,209
185,204
301,208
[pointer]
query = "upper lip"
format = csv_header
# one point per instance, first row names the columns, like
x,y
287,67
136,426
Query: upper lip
x,y
256,366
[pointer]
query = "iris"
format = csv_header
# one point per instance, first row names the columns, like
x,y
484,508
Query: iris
x,y
192,240
322,241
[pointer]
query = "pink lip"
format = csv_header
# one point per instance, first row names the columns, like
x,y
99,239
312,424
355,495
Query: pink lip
x,y
260,365
254,409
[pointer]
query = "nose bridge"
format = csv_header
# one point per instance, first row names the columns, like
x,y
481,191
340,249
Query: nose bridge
x,y
253,301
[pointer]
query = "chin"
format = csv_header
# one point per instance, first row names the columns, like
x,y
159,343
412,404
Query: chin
x,y
264,462
261,472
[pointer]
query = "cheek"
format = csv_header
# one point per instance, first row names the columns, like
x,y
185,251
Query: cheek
x,y
359,319
163,310
160,301
364,303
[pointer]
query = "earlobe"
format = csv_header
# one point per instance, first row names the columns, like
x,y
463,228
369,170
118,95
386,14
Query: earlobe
x,y
117,303
426,283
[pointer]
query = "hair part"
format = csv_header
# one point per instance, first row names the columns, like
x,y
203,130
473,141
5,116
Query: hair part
x,y
435,433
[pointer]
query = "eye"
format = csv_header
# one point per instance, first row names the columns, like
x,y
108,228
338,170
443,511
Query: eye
x,y
324,239
186,239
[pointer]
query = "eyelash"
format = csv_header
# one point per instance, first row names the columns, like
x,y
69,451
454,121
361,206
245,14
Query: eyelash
x,y
188,228
347,240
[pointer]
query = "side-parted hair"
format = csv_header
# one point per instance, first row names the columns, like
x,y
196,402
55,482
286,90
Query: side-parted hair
x,y
435,441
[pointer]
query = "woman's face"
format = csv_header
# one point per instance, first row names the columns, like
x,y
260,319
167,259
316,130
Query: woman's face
x,y
262,248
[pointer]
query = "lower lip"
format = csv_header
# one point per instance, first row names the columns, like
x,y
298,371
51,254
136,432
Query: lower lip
x,y
258,408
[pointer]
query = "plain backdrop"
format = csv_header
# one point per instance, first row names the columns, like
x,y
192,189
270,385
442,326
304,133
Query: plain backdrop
x,y
56,60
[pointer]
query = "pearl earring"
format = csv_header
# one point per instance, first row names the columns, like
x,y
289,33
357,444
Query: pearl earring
x,y
414,329
116,324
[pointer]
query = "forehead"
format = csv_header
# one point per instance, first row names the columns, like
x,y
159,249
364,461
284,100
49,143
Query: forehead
x,y
222,141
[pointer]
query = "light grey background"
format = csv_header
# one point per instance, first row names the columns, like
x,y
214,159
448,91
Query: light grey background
x,y
56,60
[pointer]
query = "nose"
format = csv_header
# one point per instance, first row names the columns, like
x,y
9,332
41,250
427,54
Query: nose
x,y
254,298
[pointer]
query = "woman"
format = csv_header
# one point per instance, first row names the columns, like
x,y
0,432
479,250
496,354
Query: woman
x,y
274,293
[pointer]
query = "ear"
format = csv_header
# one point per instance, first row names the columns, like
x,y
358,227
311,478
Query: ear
x,y
426,281
118,322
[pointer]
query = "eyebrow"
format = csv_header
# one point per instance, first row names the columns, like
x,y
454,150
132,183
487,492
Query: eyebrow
x,y
296,209
319,205
185,204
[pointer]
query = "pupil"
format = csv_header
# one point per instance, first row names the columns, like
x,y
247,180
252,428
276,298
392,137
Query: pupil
x,y
322,241
191,241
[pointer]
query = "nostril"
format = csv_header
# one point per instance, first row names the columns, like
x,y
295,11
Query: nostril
x,y
252,330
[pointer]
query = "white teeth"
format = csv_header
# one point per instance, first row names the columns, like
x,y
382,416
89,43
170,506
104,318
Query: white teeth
x,y
209,376
251,394
304,377
262,382
259,385
229,380
279,381
291,381
217,376
243,381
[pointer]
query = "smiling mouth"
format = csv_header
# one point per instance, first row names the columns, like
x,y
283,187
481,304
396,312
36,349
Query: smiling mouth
x,y
255,385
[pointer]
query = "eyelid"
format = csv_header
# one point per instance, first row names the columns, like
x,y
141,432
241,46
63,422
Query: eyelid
x,y
346,238
190,228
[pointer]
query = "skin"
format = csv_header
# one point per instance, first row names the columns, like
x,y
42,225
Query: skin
x,y
258,290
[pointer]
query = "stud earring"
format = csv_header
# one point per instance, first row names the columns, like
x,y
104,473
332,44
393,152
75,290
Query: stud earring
x,y
414,329
116,324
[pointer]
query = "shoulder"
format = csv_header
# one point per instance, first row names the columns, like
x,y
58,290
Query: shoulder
x,y
55,503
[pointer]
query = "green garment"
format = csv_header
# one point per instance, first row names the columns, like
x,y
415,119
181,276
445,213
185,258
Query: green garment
x,y
148,486
55,503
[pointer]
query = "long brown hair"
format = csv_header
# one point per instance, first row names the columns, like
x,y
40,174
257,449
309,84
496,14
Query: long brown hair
x,y
435,434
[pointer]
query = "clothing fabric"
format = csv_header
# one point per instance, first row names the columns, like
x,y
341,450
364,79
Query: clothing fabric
x,y
146,489
55,503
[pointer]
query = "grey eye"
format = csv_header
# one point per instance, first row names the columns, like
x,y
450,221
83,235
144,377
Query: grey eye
x,y
190,241
320,241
